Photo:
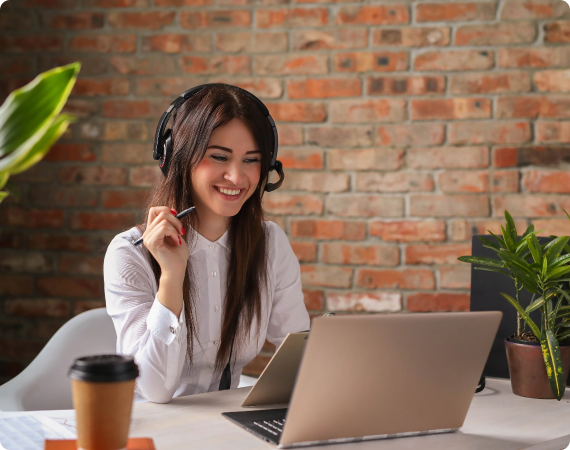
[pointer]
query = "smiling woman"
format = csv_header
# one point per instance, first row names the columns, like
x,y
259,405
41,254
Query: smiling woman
x,y
186,304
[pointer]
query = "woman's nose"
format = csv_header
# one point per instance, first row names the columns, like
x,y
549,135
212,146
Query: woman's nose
x,y
234,175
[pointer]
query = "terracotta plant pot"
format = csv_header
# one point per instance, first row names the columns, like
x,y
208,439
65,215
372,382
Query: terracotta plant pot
x,y
527,368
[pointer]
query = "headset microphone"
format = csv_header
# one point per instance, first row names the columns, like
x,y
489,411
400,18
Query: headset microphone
x,y
163,144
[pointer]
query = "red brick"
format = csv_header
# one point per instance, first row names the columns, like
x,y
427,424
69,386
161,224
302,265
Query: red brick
x,y
317,182
436,254
115,3
305,251
393,182
86,305
455,277
409,231
323,88
75,21
448,158
97,176
12,284
314,300
552,80
365,159
449,205
358,111
328,229
290,135
529,206
446,109
280,203
109,86
370,62
372,15
124,199
542,156
53,196
50,4
114,131
126,109
290,64
335,39
487,83
553,131
145,176
534,57
410,134
327,276
557,31
103,43
70,152
247,42
147,65
534,10
32,42
411,37
534,106
31,218
233,65
455,12
12,239
496,34
127,152
437,302
551,227
176,43
101,221
355,205
463,181
58,286
547,181
148,20
370,255
298,111
81,107
215,19
365,301
17,65
505,181
37,307
462,230
59,242
351,136
494,132
81,264
291,18
395,279
455,60
416,85
301,158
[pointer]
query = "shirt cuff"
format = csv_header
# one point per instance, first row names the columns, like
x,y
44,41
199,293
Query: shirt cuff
x,y
163,323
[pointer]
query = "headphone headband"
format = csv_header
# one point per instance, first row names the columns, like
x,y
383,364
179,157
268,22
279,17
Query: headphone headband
x,y
163,140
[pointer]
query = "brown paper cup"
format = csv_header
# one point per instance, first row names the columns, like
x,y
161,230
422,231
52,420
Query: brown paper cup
x,y
103,408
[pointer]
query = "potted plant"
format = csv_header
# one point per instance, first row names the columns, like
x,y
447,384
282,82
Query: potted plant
x,y
30,120
538,363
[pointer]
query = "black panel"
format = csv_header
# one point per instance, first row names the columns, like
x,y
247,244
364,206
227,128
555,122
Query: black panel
x,y
485,296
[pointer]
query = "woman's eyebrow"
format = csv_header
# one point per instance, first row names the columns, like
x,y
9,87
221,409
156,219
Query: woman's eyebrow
x,y
230,150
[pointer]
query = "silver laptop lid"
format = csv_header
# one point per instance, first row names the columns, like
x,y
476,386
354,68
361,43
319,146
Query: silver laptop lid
x,y
371,375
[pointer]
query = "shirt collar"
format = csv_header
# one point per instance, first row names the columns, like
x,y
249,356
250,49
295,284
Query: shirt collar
x,y
200,242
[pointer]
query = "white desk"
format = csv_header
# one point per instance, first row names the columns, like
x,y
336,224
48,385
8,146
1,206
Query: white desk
x,y
497,419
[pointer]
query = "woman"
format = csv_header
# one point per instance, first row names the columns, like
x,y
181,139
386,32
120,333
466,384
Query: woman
x,y
221,280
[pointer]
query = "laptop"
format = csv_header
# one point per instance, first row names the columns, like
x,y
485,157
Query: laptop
x,y
275,384
365,377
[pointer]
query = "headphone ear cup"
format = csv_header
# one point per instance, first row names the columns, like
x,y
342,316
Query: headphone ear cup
x,y
167,153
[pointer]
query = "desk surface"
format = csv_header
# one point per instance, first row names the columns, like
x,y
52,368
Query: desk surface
x,y
497,419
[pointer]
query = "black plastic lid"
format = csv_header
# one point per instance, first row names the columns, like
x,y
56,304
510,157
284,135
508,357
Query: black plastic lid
x,y
104,368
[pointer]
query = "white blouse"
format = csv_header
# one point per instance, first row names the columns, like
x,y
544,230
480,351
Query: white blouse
x,y
156,338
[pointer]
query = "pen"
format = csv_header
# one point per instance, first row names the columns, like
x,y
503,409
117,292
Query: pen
x,y
180,215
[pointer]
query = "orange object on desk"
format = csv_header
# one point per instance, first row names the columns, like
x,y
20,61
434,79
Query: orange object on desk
x,y
71,444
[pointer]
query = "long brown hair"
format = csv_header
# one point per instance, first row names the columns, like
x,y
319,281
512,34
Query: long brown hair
x,y
192,126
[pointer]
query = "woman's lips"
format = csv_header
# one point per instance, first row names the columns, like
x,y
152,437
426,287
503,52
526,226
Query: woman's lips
x,y
229,197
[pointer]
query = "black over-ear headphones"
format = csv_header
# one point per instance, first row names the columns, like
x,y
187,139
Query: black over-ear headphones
x,y
163,140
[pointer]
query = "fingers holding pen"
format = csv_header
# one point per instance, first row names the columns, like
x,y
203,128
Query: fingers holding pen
x,y
162,213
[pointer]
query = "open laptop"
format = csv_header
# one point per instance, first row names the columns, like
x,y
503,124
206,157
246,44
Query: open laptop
x,y
379,376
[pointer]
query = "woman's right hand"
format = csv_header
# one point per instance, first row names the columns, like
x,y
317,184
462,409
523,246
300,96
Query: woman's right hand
x,y
163,240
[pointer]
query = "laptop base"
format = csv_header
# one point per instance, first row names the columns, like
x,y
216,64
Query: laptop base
x,y
259,423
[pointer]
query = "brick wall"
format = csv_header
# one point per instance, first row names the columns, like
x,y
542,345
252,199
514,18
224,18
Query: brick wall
x,y
405,127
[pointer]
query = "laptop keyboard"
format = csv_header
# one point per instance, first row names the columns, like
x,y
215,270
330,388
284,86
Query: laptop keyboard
x,y
275,427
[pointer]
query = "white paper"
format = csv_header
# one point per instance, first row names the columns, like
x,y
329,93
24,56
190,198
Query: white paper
x,y
28,431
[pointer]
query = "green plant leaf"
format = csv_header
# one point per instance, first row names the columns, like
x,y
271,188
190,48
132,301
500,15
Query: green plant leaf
x,y
3,179
559,271
534,247
3,195
564,336
544,269
522,247
508,239
560,260
481,260
487,243
553,361
554,250
42,99
535,305
500,240
492,269
523,314
529,230
511,227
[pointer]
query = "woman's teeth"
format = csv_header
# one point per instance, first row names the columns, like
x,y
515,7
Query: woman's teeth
x,y
229,191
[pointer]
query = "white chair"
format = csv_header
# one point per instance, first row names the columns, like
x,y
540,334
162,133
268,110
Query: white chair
x,y
44,384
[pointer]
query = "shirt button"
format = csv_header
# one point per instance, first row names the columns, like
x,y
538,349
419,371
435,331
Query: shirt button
x,y
216,308
211,245
214,273
172,330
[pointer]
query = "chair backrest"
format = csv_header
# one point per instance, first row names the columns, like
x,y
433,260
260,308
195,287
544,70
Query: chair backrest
x,y
44,384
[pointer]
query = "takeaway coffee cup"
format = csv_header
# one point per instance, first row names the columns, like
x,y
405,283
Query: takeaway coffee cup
x,y
103,389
